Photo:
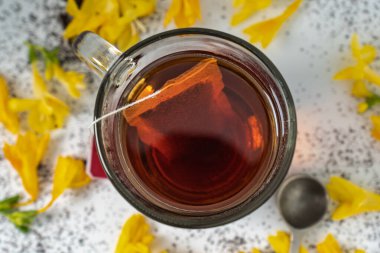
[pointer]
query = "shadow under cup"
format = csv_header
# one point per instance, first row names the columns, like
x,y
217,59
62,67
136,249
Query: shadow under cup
x,y
111,135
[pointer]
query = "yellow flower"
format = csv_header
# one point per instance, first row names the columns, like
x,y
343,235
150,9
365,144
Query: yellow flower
x,y
303,250
68,173
46,112
123,30
254,250
329,245
352,199
360,90
7,117
371,76
73,81
25,156
265,31
135,236
362,107
129,37
364,55
89,17
280,242
351,73
137,8
247,8
126,29
114,20
72,8
376,127
184,12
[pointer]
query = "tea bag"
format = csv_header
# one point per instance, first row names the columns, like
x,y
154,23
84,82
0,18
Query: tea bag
x,y
190,106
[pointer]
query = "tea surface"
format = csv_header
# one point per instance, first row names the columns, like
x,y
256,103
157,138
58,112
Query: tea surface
x,y
205,139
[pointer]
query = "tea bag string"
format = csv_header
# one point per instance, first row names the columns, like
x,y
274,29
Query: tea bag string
x,y
123,108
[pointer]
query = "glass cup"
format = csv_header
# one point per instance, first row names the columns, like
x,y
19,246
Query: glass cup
x,y
119,69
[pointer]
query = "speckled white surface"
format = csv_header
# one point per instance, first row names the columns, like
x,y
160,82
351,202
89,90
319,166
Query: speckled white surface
x,y
332,138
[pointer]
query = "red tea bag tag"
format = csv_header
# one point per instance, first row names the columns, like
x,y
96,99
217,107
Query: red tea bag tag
x,y
94,166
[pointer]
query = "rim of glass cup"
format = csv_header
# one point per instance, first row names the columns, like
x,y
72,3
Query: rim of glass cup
x,y
236,212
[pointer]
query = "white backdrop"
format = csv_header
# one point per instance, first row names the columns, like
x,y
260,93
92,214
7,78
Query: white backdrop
x,y
332,138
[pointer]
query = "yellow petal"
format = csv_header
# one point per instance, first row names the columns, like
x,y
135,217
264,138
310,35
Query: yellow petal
x,y
60,109
108,18
113,29
82,23
71,80
376,127
68,173
173,10
355,46
134,235
247,9
191,12
110,8
366,53
39,85
184,13
128,38
362,107
329,245
45,111
89,7
351,73
91,16
72,8
49,71
359,251
264,32
7,117
371,76
280,242
22,104
137,8
360,90
44,114
352,200
255,250
25,156
237,3
40,122
303,249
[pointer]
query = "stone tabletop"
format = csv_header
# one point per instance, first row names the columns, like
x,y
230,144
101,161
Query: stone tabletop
x,y
332,138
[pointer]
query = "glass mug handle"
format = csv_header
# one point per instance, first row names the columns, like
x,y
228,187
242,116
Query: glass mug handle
x,y
96,52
